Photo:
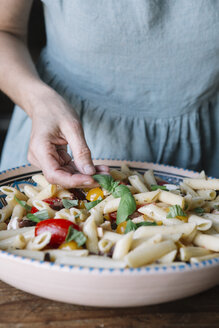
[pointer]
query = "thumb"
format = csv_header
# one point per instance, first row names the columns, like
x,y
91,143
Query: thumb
x,y
74,135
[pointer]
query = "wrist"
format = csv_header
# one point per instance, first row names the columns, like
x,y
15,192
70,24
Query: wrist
x,y
36,97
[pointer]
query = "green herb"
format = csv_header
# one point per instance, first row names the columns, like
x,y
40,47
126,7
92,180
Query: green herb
x,y
92,204
68,203
38,216
23,204
75,235
130,226
126,207
155,187
127,203
199,210
175,211
216,207
146,223
106,182
186,206
120,191
133,226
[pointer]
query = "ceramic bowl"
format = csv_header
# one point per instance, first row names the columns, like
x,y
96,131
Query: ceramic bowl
x,y
106,287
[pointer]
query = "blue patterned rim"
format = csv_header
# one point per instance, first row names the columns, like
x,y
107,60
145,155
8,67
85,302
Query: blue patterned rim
x,y
25,178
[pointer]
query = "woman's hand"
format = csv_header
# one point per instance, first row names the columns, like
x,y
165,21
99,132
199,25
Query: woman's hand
x,y
54,125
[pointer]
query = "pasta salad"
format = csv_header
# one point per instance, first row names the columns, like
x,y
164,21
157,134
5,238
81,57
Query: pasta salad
x,y
130,220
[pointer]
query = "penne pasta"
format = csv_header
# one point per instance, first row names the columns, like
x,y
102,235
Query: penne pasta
x,y
30,191
214,219
92,261
40,180
170,198
185,228
201,223
187,190
149,178
202,183
207,194
90,231
185,253
41,205
11,191
137,183
37,255
168,258
48,192
122,246
39,242
26,232
204,258
148,253
17,241
208,241
56,254
117,175
158,214
140,199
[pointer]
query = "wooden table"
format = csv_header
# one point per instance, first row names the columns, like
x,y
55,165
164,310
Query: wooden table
x,y
22,310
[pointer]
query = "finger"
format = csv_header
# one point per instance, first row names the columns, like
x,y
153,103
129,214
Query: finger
x,y
54,172
74,134
102,168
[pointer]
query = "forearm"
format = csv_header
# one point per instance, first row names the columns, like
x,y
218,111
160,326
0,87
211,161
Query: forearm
x,y
18,76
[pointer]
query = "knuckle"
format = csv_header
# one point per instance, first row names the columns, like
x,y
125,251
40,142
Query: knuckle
x,y
75,125
50,177
84,152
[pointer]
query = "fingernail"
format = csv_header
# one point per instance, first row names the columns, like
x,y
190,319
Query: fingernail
x,y
89,169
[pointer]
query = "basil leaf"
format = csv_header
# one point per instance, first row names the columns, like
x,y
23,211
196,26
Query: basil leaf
x,y
175,211
38,216
68,203
133,226
130,226
186,206
23,204
126,207
120,191
146,223
199,210
75,235
33,218
106,182
92,204
155,187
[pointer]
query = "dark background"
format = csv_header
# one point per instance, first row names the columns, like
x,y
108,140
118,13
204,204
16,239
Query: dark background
x,y
36,40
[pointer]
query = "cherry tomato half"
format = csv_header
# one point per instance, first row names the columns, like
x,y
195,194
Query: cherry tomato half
x,y
51,200
113,215
33,210
58,229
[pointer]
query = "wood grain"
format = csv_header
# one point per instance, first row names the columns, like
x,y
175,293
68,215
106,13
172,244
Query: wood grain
x,y
22,310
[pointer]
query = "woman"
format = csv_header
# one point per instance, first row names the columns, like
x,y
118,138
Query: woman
x,y
142,76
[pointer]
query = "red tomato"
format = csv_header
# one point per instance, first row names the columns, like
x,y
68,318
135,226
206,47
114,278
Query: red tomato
x,y
51,200
161,183
33,210
58,229
112,215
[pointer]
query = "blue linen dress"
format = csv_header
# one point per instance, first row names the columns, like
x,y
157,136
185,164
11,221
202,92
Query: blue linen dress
x,y
143,76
